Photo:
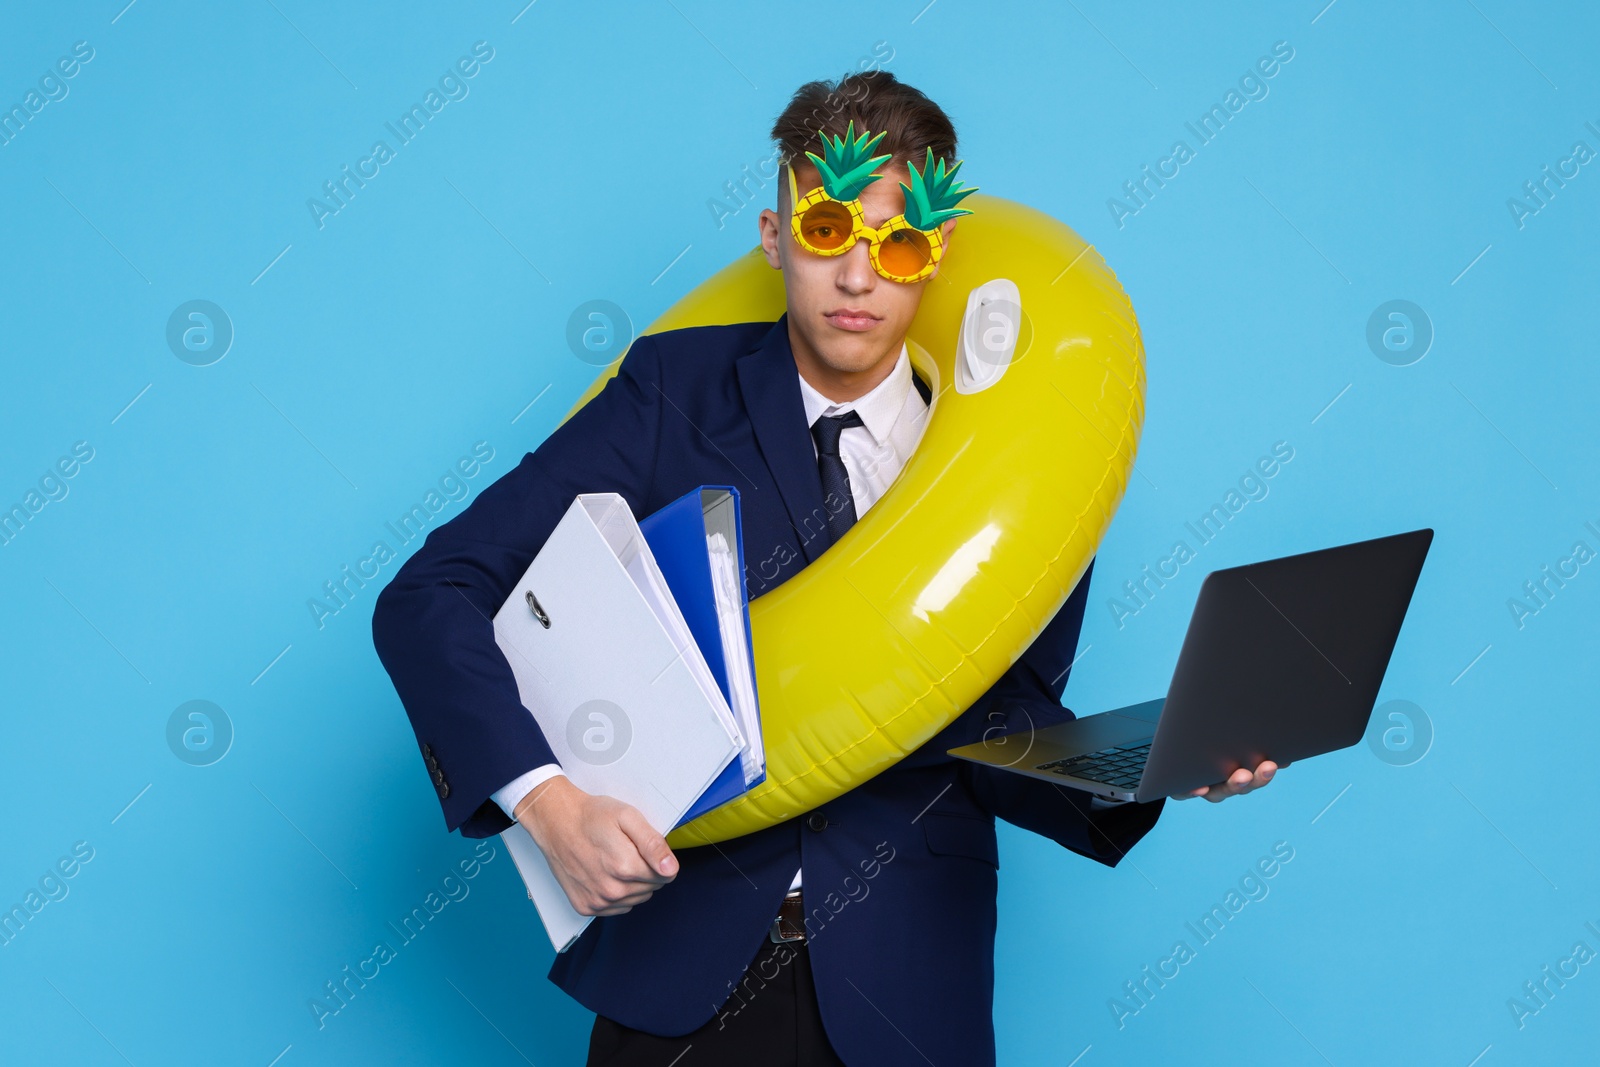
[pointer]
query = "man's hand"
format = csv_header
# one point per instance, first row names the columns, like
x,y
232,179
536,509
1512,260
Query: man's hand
x,y
1239,782
607,858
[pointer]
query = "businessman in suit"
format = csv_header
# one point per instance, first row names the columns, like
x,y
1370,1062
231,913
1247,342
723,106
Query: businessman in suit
x,y
862,931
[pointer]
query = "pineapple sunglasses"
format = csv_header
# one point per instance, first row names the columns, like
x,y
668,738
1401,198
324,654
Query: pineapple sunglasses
x,y
830,219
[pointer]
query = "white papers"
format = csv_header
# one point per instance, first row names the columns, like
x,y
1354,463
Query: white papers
x,y
735,646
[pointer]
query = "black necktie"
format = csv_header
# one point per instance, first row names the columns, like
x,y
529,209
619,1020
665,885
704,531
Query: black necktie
x,y
835,481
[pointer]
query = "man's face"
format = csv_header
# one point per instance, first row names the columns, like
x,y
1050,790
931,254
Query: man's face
x,y
848,316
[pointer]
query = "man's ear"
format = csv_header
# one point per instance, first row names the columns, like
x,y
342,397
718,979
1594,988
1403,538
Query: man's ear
x,y
948,229
768,221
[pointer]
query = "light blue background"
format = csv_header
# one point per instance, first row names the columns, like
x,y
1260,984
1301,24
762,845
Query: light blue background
x,y
431,311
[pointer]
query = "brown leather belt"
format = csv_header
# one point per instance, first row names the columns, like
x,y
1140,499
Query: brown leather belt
x,y
790,925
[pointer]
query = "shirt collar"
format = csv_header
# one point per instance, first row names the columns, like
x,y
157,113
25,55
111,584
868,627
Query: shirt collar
x,y
879,408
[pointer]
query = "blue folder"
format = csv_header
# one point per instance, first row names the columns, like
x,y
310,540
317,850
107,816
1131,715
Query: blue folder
x,y
677,535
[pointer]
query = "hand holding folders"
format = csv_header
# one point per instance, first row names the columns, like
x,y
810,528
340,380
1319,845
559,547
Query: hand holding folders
x,y
630,646
605,855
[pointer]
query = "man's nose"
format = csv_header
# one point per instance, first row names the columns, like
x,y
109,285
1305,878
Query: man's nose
x,y
855,269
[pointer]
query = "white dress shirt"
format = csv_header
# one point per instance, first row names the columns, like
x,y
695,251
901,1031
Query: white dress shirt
x,y
893,417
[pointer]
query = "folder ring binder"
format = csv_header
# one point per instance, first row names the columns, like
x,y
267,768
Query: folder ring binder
x,y
538,610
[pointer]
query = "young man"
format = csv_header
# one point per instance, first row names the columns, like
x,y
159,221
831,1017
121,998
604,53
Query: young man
x,y
862,931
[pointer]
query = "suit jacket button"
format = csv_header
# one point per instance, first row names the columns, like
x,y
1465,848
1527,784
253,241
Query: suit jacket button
x,y
444,791
817,821
427,753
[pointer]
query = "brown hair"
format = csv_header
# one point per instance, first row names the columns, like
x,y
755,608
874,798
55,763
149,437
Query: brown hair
x,y
876,101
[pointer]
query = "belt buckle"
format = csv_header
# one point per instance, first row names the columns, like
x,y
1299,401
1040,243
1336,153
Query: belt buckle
x,y
776,933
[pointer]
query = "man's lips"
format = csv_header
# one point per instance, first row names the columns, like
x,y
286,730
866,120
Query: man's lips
x,y
853,319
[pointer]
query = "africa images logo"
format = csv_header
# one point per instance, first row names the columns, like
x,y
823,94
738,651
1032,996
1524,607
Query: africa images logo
x,y
599,732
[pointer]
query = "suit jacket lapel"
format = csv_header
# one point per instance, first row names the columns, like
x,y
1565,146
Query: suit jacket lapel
x,y
770,384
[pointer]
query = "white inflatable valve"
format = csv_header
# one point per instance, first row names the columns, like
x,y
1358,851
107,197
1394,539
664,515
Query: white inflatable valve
x,y
990,330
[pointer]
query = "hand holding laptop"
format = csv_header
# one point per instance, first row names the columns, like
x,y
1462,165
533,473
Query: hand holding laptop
x,y
1282,660
1238,784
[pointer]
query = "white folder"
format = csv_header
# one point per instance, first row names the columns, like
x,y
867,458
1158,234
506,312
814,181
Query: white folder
x,y
607,666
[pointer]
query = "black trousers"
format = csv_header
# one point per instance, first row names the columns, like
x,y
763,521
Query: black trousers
x,y
771,1019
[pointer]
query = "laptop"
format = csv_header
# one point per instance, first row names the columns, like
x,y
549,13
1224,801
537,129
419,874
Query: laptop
x,y
1282,661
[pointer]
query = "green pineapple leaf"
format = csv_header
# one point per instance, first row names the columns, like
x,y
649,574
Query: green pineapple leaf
x,y
846,168
933,194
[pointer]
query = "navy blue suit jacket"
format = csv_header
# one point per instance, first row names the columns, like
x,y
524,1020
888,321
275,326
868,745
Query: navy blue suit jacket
x,y
900,872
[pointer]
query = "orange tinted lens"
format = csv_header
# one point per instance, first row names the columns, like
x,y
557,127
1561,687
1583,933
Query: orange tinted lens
x,y
905,253
826,226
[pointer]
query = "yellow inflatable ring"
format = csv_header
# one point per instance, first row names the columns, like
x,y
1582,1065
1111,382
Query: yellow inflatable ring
x,y
987,529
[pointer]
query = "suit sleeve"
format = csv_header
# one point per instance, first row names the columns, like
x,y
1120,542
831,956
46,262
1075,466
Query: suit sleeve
x,y
432,624
1028,697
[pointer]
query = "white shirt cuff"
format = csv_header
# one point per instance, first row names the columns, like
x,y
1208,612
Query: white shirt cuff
x,y
796,883
510,795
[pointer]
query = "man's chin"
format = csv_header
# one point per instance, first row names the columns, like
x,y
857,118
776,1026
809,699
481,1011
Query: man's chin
x,y
849,351
855,353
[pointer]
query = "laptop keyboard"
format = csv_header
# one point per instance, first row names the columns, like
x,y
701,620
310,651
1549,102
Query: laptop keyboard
x,y
1121,766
